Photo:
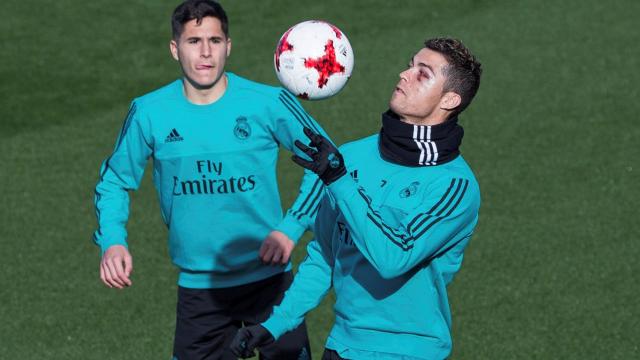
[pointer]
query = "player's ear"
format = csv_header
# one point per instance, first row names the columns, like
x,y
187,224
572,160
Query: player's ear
x,y
228,47
450,101
173,46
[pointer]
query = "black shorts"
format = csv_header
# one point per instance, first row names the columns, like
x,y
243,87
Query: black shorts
x,y
331,355
208,319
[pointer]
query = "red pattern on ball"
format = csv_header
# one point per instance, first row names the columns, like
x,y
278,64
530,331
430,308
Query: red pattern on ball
x,y
326,65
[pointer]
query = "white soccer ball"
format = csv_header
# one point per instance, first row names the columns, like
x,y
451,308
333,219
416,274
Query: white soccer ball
x,y
313,60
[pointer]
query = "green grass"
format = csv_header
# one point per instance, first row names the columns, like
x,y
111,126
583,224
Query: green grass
x,y
552,136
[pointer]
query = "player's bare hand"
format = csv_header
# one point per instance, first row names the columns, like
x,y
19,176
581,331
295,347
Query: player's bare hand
x,y
116,267
276,248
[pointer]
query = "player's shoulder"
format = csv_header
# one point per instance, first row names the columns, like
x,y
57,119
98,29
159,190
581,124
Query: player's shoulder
x,y
457,171
245,86
168,92
361,146
459,167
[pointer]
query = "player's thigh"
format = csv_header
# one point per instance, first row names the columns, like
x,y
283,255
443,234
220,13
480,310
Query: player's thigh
x,y
204,327
265,295
291,345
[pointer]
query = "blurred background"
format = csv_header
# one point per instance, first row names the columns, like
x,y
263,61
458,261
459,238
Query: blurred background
x,y
551,273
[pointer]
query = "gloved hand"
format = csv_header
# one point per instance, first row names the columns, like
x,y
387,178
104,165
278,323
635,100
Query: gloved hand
x,y
326,160
248,338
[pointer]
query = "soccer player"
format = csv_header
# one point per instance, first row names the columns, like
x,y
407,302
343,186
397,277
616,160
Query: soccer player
x,y
390,237
214,138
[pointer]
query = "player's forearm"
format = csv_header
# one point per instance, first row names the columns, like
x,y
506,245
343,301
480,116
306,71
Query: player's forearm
x,y
111,201
300,217
391,249
112,216
367,233
120,172
310,286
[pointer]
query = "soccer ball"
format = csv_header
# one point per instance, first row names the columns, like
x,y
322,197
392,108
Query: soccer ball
x,y
313,60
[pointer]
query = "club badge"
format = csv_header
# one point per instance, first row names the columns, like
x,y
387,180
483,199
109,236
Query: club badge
x,y
242,130
409,190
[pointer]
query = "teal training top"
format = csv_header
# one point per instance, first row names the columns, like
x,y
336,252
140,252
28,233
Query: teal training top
x,y
214,168
388,239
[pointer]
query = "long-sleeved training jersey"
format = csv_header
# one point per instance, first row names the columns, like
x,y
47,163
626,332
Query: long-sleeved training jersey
x,y
214,169
389,243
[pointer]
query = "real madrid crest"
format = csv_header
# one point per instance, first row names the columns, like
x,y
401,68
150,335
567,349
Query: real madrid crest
x,y
409,190
242,130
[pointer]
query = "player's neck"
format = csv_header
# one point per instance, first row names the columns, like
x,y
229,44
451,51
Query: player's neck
x,y
204,96
435,118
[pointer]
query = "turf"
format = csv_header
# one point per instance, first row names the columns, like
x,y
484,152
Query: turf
x,y
550,273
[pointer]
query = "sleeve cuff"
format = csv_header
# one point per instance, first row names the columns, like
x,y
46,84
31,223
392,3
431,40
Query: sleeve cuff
x,y
104,244
275,327
291,227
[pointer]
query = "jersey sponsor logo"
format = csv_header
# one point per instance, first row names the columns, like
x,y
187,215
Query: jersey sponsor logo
x,y
212,181
173,136
242,130
207,186
410,190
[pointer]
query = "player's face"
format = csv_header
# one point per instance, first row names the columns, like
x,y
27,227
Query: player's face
x,y
418,97
202,51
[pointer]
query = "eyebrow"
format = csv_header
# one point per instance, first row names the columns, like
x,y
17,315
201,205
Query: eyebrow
x,y
202,37
421,64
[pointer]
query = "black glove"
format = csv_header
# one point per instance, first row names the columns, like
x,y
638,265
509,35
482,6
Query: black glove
x,y
248,338
326,160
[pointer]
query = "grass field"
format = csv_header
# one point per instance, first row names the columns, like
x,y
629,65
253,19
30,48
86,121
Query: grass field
x,y
552,272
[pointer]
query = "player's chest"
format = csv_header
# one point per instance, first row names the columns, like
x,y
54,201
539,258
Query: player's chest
x,y
177,134
400,190
391,193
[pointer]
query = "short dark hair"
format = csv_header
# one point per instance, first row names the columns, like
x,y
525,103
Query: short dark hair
x,y
197,9
463,71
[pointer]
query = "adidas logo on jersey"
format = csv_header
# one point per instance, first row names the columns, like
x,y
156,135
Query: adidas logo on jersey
x,y
173,136
354,175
